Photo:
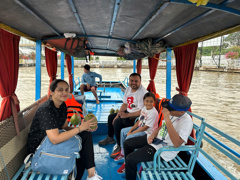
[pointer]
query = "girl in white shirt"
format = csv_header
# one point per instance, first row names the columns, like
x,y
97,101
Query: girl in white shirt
x,y
145,123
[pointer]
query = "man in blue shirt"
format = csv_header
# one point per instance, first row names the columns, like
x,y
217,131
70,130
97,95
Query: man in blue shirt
x,y
88,81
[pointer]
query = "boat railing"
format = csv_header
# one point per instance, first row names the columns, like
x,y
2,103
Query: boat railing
x,y
104,85
36,103
125,81
230,153
220,146
158,168
76,82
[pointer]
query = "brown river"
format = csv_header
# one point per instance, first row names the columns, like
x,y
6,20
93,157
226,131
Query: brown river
x,y
215,96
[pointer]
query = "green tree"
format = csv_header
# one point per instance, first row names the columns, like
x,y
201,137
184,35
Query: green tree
x,y
224,47
121,58
80,58
234,49
210,50
233,52
198,55
234,38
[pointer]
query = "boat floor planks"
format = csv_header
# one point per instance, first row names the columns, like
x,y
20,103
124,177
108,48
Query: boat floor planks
x,y
106,167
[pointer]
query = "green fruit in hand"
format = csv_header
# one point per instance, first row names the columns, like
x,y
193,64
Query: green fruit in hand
x,y
112,111
75,120
90,116
116,111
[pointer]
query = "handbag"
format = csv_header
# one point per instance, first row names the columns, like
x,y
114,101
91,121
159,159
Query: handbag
x,y
57,159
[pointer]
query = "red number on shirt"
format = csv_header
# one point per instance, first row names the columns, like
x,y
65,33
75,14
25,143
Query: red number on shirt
x,y
130,101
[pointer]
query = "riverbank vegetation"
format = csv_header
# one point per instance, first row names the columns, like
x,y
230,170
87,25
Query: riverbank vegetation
x,y
229,45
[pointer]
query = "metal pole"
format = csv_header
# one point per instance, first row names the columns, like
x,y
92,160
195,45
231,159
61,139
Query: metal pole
x,y
168,73
72,58
134,66
201,55
62,65
38,70
220,51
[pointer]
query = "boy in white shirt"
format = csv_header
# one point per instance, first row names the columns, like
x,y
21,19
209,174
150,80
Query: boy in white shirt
x,y
176,128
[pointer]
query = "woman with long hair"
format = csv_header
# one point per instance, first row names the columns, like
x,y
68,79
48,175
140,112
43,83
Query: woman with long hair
x,y
51,116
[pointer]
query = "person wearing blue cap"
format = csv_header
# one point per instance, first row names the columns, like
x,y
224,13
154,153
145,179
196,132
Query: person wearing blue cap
x,y
175,130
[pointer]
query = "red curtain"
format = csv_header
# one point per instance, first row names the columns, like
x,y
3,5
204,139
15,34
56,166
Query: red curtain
x,y
153,64
51,63
139,66
69,68
185,60
9,65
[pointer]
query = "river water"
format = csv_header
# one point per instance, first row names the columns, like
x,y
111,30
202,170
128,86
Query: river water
x,y
215,96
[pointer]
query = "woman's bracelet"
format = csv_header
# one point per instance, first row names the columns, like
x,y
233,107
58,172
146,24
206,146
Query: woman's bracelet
x,y
79,129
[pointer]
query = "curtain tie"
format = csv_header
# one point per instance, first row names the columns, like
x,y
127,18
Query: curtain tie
x,y
52,78
159,59
151,80
181,92
154,57
14,102
14,97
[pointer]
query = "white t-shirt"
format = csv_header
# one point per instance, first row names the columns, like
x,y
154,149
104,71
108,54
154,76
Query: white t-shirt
x,y
148,118
134,100
183,125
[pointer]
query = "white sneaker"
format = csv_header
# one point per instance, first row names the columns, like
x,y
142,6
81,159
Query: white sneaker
x,y
95,177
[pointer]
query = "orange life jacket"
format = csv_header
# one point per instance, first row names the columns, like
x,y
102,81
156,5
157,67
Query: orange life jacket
x,y
73,104
157,96
160,114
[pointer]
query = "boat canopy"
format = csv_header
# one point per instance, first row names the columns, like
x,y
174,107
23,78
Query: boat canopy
x,y
80,27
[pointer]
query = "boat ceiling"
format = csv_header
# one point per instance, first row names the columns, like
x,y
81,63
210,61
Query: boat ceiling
x,y
109,24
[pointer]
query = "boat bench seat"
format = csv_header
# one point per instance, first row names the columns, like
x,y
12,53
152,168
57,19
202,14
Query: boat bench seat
x,y
13,147
23,174
176,168
175,164
167,175
102,94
